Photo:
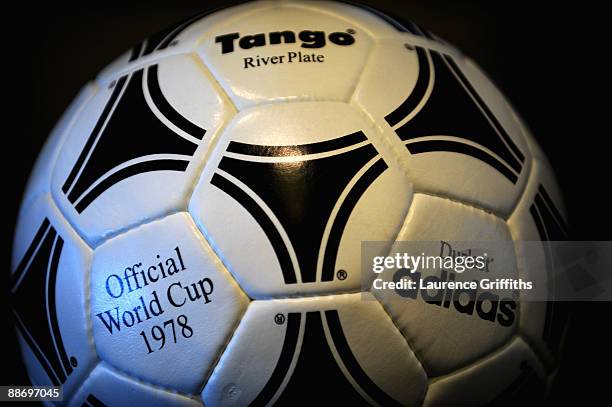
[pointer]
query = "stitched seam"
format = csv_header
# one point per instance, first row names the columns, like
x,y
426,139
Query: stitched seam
x,y
408,343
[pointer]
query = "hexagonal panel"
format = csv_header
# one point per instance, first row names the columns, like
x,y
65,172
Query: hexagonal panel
x,y
286,52
135,149
48,287
454,131
298,352
450,332
162,305
290,192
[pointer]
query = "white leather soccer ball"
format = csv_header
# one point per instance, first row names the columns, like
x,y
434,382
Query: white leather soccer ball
x,y
192,230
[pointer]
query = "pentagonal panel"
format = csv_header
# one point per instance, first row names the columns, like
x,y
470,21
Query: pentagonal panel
x,y
48,292
291,191
298,352
40,178
286,52
511,376
162,305
456,135
539,216
451,328
137,146
107,387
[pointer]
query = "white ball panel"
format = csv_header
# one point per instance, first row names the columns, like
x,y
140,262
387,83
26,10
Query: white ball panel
x,y
390,74
349,335
444,337
294,74
376,217
477,154
153,274
137,147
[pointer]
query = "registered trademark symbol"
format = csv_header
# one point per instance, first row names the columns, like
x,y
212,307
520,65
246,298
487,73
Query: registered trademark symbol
x,y
74,362
341,274
408,46
279,319
231,392
351,31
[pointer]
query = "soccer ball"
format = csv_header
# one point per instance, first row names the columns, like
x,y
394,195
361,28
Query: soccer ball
x,y
192,230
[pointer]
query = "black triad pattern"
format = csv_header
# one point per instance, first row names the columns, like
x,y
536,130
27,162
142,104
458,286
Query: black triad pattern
x,y
35,278
551,227
316,355
128,138
92,401
301,196
453,109
527,387
470,118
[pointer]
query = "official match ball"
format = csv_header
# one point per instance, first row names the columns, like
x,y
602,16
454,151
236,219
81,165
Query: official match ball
x,y
192,230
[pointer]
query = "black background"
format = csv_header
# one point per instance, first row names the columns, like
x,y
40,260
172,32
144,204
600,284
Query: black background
x,y
550,61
